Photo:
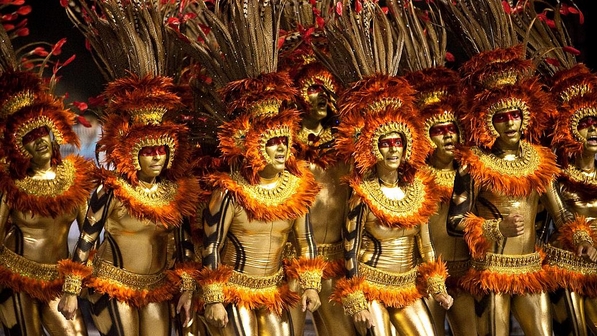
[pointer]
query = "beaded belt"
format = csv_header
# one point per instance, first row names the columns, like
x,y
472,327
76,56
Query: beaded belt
x,y
331,252
511,264
257,282
27,268
105,270
569,260
380,277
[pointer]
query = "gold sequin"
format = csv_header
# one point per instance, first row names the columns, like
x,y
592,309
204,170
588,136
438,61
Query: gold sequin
x,y
509,264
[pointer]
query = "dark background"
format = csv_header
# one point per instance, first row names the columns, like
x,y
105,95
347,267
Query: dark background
x,y
81,79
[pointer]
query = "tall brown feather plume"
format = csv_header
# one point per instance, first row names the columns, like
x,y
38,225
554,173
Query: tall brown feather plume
x,y
362,44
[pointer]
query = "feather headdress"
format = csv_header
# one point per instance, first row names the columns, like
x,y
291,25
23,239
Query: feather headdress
x,y
498,75
236,44
365,50
138,57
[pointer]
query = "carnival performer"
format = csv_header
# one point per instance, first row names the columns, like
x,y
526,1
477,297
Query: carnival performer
x,y
142,203
317,90
41,195
573,87
574,139
438,99
386,229
265,197
501,180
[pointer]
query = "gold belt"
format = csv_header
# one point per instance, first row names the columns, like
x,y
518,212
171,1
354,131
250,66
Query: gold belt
x,y
257,282
106,270
331,252
458,267
569,260
27,268
374,275
510,264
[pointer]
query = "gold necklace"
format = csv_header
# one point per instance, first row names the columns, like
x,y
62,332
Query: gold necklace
x,y
64,179
160,194
443,177
526,164
285,188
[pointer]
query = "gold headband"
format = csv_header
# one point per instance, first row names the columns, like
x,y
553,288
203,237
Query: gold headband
x,y
283,131
265,108
392,127
447,116
148,115
577,117
162,140
30,125
505,105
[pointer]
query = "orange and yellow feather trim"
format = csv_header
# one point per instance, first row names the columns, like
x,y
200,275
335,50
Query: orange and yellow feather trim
x,y
290,200
415,208
533,172
576,232
76,178
432,277
179,199
308,271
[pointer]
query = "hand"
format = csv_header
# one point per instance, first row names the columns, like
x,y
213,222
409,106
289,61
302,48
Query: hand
x,y
185,303
444,300
363,321
512,225
216,315
68,305
310,300
587,250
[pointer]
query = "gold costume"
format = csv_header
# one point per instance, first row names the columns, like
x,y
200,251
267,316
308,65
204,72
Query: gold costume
x,y
245,240
41,194
576,276
32,248
438,99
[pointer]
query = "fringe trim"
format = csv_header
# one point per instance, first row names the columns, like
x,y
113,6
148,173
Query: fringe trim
x,y
85,181
474,236
481,282
427,270
294,206
69,267
275,299
396,297
334,269
42,290
387,218
512,185
135,297
567,231
171,215
296,267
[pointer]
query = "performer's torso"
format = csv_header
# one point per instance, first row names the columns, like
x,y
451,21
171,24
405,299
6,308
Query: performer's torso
x,y
139,246
327,213
255,247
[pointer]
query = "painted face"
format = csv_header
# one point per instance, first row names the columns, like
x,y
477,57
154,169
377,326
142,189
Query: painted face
x,y
507,124
38,143
276,150
391,148
318,102
444,136
587,127
152,160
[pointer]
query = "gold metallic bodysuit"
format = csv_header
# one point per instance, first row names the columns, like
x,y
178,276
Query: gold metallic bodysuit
x,y
34,244
386,233
251,251
454,251
578,192
131,286
488,188
327,215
